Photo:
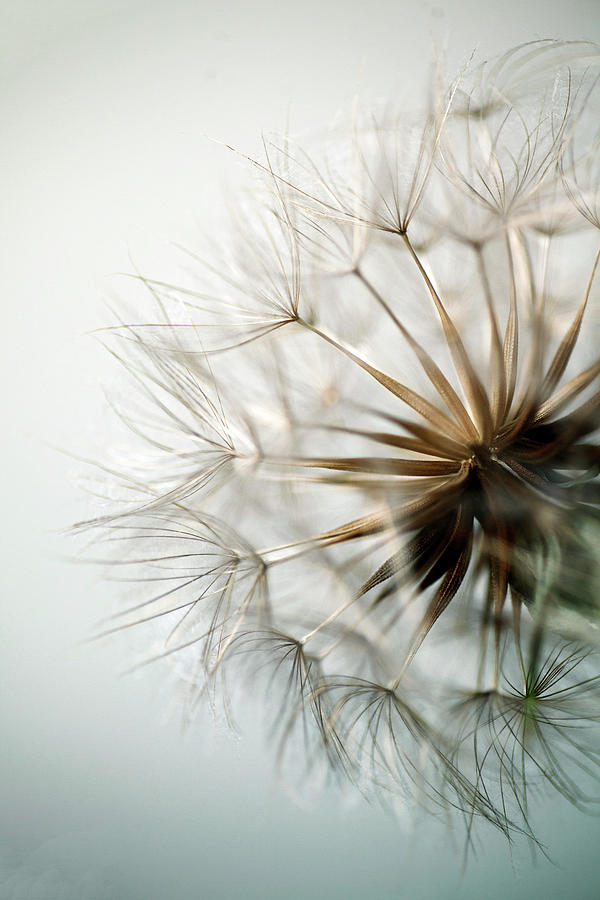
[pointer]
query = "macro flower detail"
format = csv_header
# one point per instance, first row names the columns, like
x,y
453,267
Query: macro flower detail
x,y
366,465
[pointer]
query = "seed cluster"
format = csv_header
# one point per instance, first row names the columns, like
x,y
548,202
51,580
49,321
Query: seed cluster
x,y
367,457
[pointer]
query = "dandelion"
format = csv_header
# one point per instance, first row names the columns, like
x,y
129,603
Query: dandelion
x,y
367,448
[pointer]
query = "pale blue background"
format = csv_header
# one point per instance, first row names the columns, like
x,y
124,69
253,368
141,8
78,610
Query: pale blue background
x,y
104,105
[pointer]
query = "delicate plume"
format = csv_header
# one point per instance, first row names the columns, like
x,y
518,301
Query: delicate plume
x,y
364,467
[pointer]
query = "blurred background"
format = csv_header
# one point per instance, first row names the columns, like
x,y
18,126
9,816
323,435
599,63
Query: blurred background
x,y
107,107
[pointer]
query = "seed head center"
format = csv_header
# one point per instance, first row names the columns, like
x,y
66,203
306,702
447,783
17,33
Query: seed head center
x,y
482,456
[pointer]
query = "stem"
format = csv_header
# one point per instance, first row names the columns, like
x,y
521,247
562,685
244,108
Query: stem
x,y
409,397
469,379
511,335
433,372
328,620
516,610
497,373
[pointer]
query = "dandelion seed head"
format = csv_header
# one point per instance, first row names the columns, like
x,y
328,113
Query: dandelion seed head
x,y
364,470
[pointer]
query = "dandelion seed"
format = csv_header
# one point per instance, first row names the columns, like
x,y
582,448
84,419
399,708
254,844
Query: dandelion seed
x,y
371,461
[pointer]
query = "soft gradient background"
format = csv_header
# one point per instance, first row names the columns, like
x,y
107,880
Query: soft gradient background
x,y
104,108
